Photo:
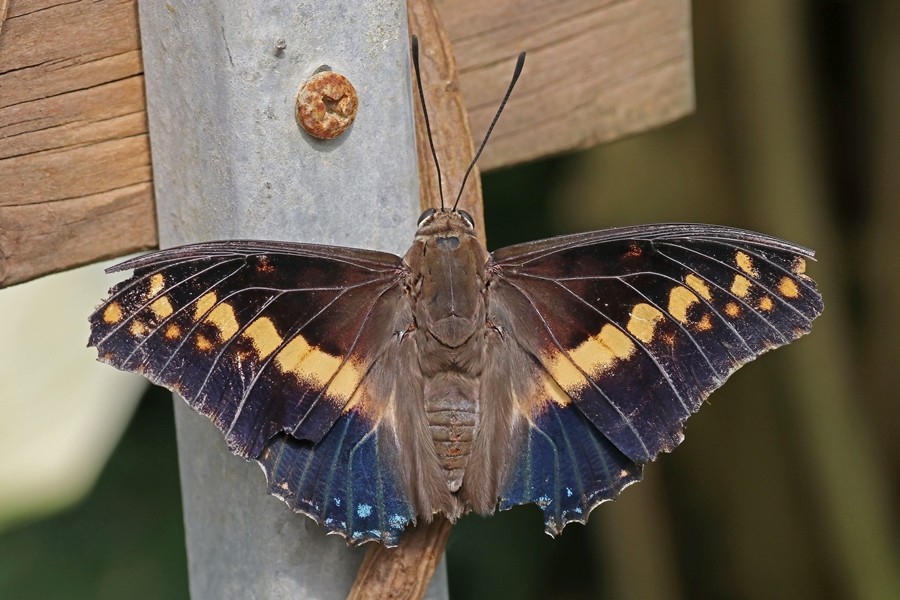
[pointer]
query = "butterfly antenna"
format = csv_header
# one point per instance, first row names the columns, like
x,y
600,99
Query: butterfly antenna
x,y
437,166
520,62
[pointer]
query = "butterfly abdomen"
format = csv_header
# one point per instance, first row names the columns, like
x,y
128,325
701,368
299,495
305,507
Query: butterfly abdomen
x,y
452,416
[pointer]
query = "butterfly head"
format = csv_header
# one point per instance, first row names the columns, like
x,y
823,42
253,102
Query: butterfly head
x,y
438,221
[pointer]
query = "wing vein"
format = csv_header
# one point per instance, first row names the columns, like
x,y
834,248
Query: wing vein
x,y
593,383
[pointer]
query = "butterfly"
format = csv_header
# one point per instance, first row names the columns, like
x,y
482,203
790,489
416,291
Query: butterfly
x,y
376,390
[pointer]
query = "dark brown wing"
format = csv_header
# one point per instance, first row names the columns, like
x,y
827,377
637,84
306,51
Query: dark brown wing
x,y
261,337
638,325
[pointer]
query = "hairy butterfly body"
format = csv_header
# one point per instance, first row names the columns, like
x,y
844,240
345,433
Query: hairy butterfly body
x,y
375,389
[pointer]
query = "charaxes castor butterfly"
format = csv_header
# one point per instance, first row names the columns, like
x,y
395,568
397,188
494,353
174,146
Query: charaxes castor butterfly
x,y
376,389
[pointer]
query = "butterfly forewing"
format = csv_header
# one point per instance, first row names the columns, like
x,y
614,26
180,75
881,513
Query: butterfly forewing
x,y
639,325
260,338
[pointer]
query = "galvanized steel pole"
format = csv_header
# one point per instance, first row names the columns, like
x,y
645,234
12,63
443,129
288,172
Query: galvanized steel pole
x,y
230,162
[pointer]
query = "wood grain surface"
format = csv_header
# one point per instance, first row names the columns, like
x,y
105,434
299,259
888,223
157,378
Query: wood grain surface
x,y
75,182
597,70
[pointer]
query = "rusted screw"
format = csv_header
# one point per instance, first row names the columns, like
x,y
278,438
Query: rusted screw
x,y
326,105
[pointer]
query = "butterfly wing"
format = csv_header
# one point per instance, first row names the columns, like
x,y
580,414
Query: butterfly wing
x,y
630,330
277,344
347,482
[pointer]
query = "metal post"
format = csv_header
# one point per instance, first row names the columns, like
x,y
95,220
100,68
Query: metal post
x,y
230,162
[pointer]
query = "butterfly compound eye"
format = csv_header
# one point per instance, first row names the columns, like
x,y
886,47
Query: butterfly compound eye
x,y
425,216
467,218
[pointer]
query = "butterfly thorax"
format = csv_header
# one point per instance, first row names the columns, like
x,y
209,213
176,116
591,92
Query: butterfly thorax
x,y
447,262
447,276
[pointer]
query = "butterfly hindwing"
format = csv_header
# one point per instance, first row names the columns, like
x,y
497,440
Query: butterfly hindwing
x,y
260,337
638,325
355,480
347,482
560,461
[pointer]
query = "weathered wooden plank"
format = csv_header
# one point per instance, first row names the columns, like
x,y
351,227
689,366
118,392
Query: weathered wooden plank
x,y
452,134
88,169
70,79
102,112
597,70
64,234
75,182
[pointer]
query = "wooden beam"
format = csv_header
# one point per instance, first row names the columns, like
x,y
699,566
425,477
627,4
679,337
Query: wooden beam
x,y
75,183
597,70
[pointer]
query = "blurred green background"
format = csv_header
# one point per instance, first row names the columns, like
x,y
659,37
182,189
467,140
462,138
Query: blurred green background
x,y
787,483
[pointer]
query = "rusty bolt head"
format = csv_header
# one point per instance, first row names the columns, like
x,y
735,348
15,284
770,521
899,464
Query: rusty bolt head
x,y
326,105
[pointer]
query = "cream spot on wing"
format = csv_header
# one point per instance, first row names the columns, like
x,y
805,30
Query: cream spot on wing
x,y
222,318
206,302
788,288
162,307
745,264
138,328
157,283
766,304
741,286
317,367
555,393
346,382
112,314
203,343
292,354
705,323
361,399
680,301
264,337
698,285
565,372
643,321
593,356
733,310
799,266
173,332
